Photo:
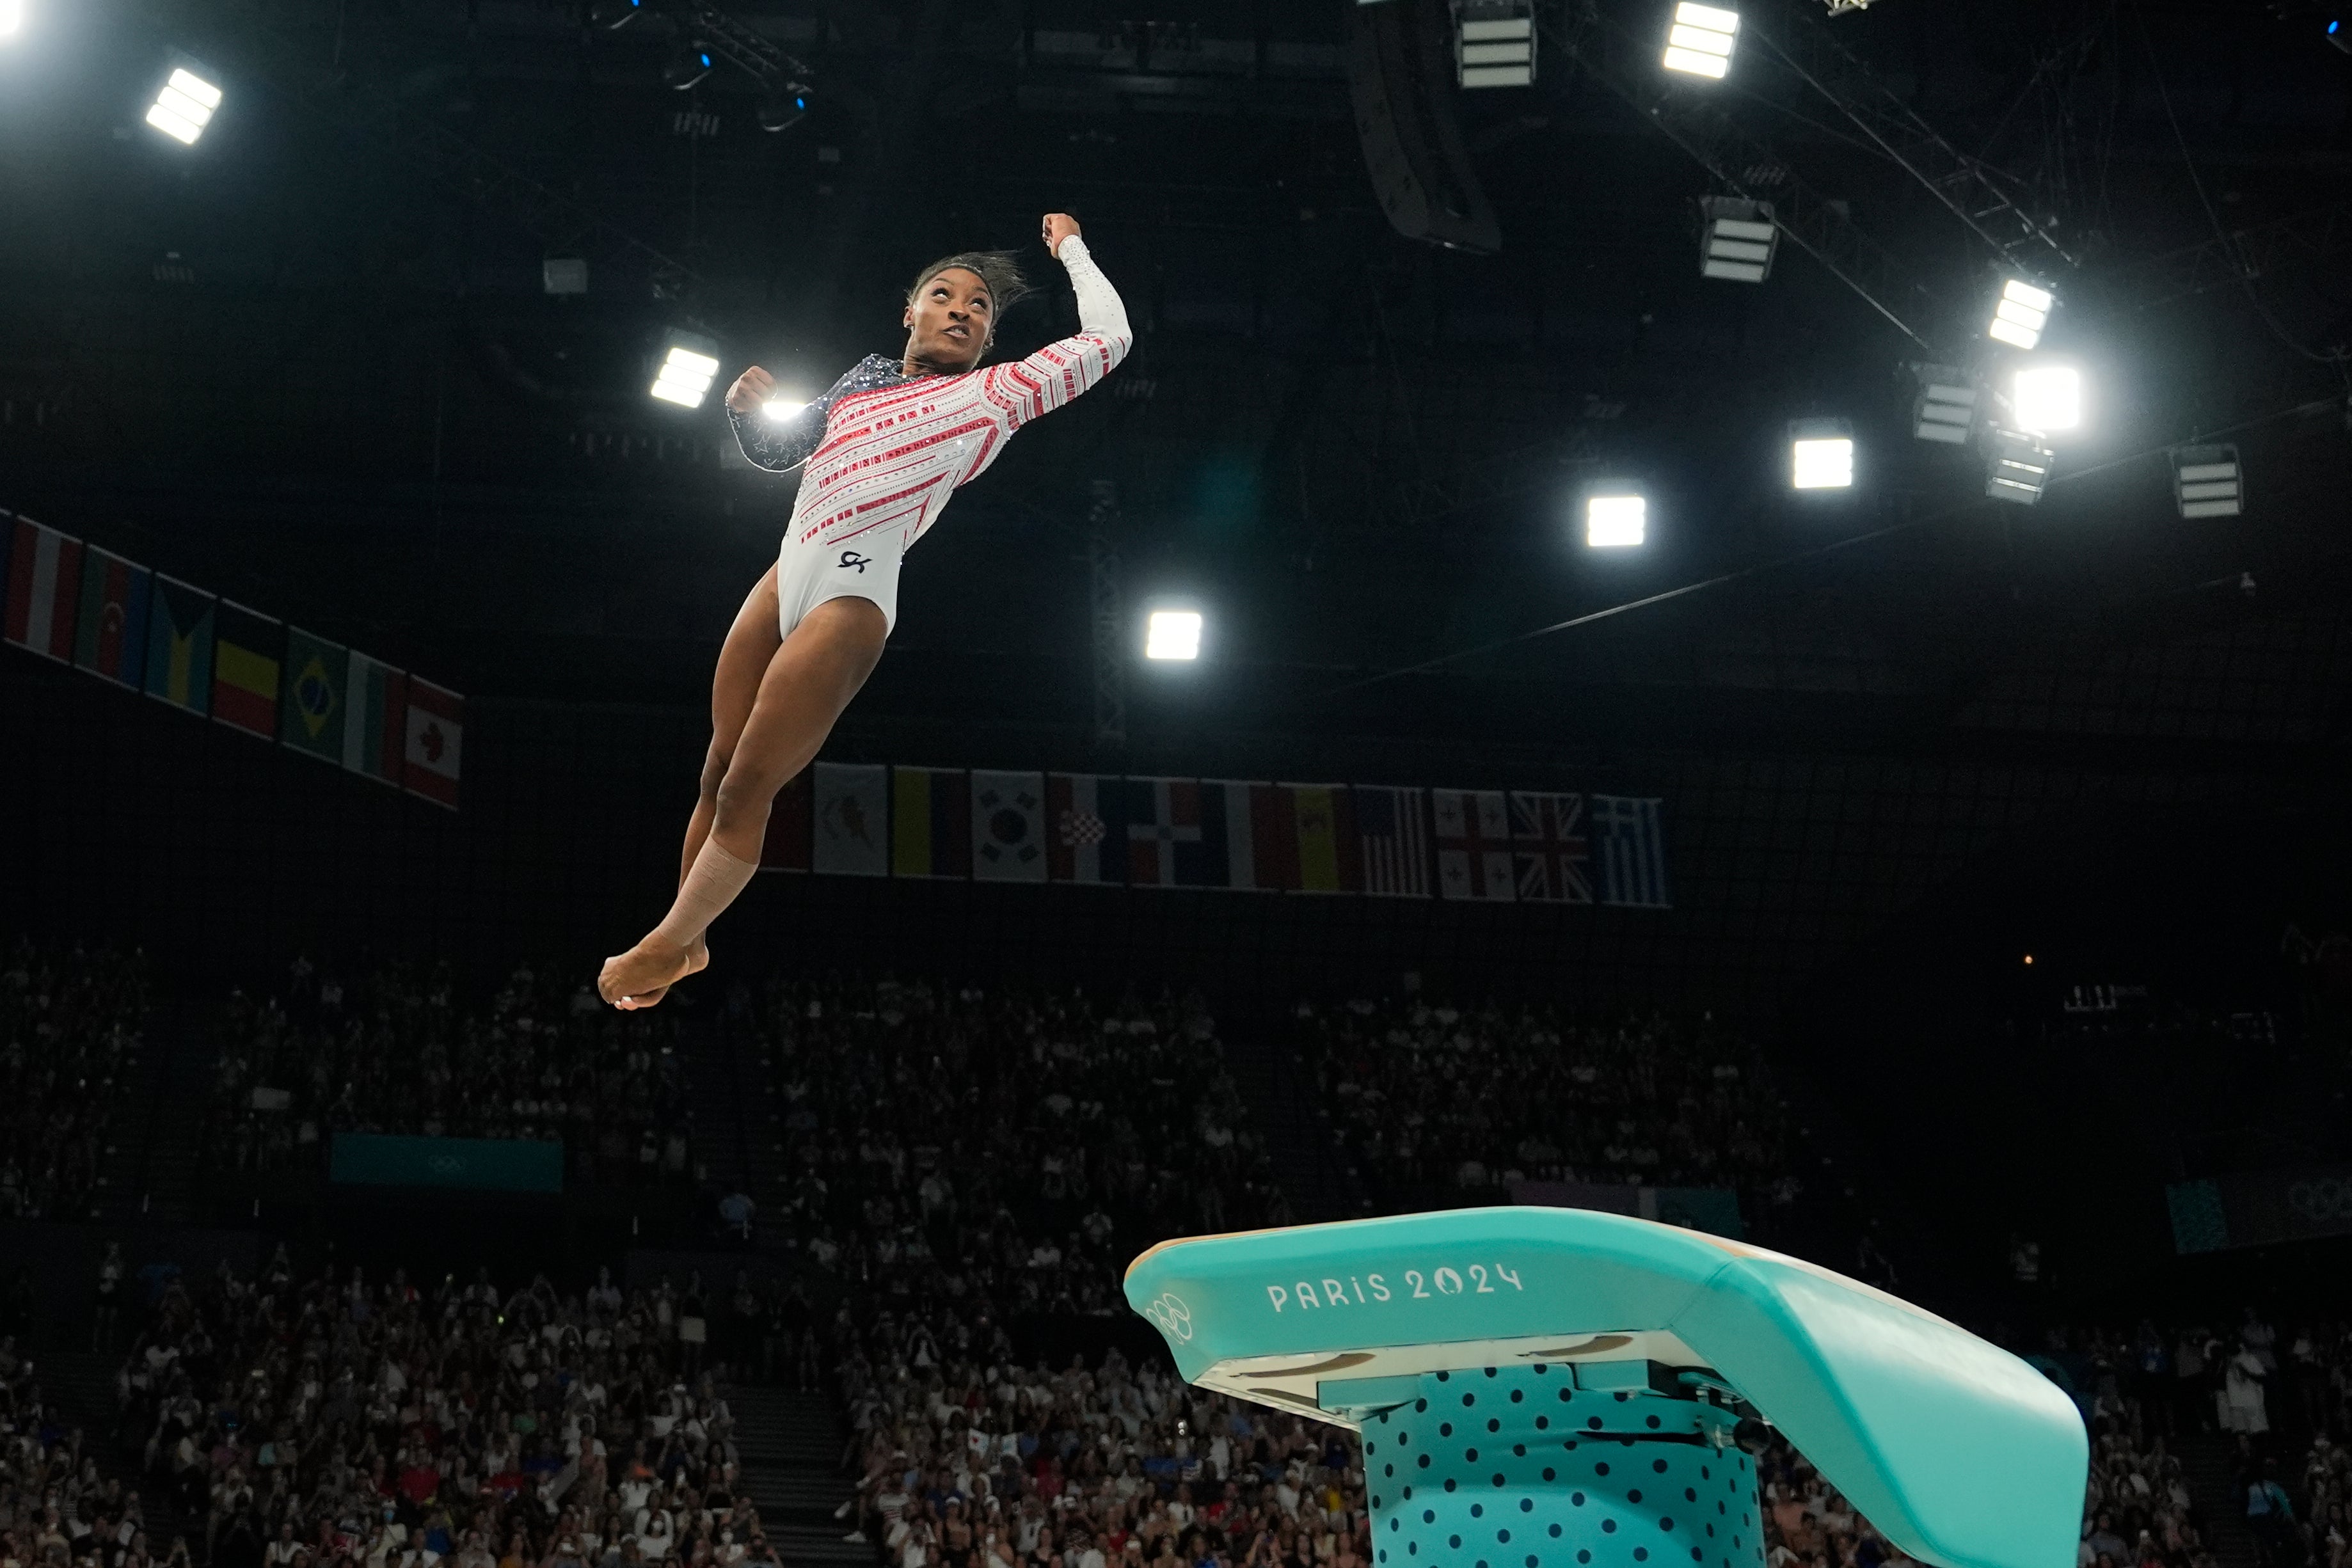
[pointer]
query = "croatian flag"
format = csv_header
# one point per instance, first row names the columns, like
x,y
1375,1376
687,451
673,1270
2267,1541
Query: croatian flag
x,y
1085,828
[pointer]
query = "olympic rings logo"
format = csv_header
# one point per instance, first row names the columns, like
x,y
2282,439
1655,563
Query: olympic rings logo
x,y
2322,1200
1175,1318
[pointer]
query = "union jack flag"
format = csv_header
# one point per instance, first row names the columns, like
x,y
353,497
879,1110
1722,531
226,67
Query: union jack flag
x,y
1549,844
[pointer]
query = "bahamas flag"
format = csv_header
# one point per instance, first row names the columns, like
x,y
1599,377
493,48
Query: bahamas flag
x,y
110,641
247,649
930,822
375,718
180,645
314,703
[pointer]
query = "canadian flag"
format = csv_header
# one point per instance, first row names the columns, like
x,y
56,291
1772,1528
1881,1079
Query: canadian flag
x,y
436,734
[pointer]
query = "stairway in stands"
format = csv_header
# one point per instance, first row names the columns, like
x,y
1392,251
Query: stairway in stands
x,y
732,1096
79,1385
2206,1462
161,1139
1308,1164
792,1446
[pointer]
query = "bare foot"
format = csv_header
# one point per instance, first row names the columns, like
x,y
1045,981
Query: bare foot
x,y
644,975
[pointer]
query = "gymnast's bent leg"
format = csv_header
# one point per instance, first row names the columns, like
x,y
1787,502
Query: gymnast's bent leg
x,y
808,681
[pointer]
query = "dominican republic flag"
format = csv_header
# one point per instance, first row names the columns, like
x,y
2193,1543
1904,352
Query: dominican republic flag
x,y
1393,827
44,581
930,822
1322,839
791,825
1086,828
1548,845
1473,845
852,820
1164,816
112,639
1631,839
1008,826
436,736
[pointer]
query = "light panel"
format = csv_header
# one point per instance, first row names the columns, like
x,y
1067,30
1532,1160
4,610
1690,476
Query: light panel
x,y
183,106
2207,481
1494,43
1699,42
1822,463
2045,398
2017,467
1615,522
1739,239
2021,314
1172,634
1945,410
687,372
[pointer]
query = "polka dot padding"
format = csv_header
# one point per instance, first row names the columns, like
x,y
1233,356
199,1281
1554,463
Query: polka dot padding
x,y
1517,1468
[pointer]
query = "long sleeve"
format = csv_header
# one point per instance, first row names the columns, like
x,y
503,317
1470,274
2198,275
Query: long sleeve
x,y
1063,369
779,445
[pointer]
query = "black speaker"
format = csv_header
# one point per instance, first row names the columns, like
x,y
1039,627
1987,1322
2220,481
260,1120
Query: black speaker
x,y
1401,75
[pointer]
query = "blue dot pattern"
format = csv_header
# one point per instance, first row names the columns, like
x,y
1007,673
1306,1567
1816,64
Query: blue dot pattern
x,y
1634,1492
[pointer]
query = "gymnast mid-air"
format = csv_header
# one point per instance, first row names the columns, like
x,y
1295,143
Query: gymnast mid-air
x,y
883,449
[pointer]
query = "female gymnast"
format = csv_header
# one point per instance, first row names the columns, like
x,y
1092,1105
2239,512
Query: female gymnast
x,y
883,449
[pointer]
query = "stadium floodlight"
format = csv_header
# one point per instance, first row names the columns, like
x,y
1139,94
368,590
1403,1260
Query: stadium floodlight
x,y
1172,634
688,367
2017,467
2043,398
1739,240
2021,313
687,65
780,408
1700,40
1615,519
1946,408
2207,481
183,106
1821,454
1494,43
12,17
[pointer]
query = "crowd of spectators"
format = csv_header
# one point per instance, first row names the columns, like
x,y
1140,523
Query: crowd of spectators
x,y
1440,1105
320,1418
56,1508
70,1026
1008,1151
399,1047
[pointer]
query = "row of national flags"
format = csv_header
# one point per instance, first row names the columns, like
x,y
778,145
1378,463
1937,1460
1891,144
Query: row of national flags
x,y
80,605
1377,839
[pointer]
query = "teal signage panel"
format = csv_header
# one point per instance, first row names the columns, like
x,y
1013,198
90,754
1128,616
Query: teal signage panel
x,y
486,1165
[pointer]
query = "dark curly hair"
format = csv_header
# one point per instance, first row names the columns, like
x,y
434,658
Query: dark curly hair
x,y
998,271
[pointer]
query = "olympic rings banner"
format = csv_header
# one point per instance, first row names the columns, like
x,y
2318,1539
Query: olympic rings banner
x,y
2257,1208
1376,840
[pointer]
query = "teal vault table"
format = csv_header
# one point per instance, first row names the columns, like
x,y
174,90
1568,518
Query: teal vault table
x,y
1553,1388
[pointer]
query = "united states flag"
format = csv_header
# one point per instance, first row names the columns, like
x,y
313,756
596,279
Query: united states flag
x,y
1548,845
1392,826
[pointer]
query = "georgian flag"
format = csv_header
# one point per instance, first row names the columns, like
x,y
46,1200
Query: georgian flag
x,y
1474,845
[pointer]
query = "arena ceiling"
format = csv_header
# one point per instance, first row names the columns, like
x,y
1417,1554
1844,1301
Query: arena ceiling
x,y
312,361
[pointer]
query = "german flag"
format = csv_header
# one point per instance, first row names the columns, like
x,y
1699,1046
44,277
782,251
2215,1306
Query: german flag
x,y
249,648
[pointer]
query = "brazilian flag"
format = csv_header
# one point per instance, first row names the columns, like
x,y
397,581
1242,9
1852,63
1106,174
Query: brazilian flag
x,y
311,703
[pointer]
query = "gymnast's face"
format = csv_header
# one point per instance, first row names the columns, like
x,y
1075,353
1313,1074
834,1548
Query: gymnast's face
x,y
950,321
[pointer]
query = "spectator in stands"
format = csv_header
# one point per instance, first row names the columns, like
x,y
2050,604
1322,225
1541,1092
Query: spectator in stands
x,y
71,1024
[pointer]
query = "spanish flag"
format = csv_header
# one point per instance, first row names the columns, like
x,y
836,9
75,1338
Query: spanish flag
x,y
247,649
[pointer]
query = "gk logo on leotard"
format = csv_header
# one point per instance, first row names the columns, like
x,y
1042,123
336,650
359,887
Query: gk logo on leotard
x,y
1171,1314
851,558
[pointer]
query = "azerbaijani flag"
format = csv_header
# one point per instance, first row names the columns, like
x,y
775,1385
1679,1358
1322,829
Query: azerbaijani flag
x,y
44,570
247,649
180,645
314,701
375,718
112,640
930,822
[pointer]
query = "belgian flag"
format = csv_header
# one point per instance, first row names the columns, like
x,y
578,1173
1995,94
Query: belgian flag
x,y
248,650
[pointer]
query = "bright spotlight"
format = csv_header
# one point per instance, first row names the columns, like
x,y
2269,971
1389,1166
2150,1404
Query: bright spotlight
x,y
1615,522
784,407
1172,634
1701,38
2022,314
2046,398
1947,409
12,17
2207,481
687,370
1740,237
1821,454
2017,467
185,106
